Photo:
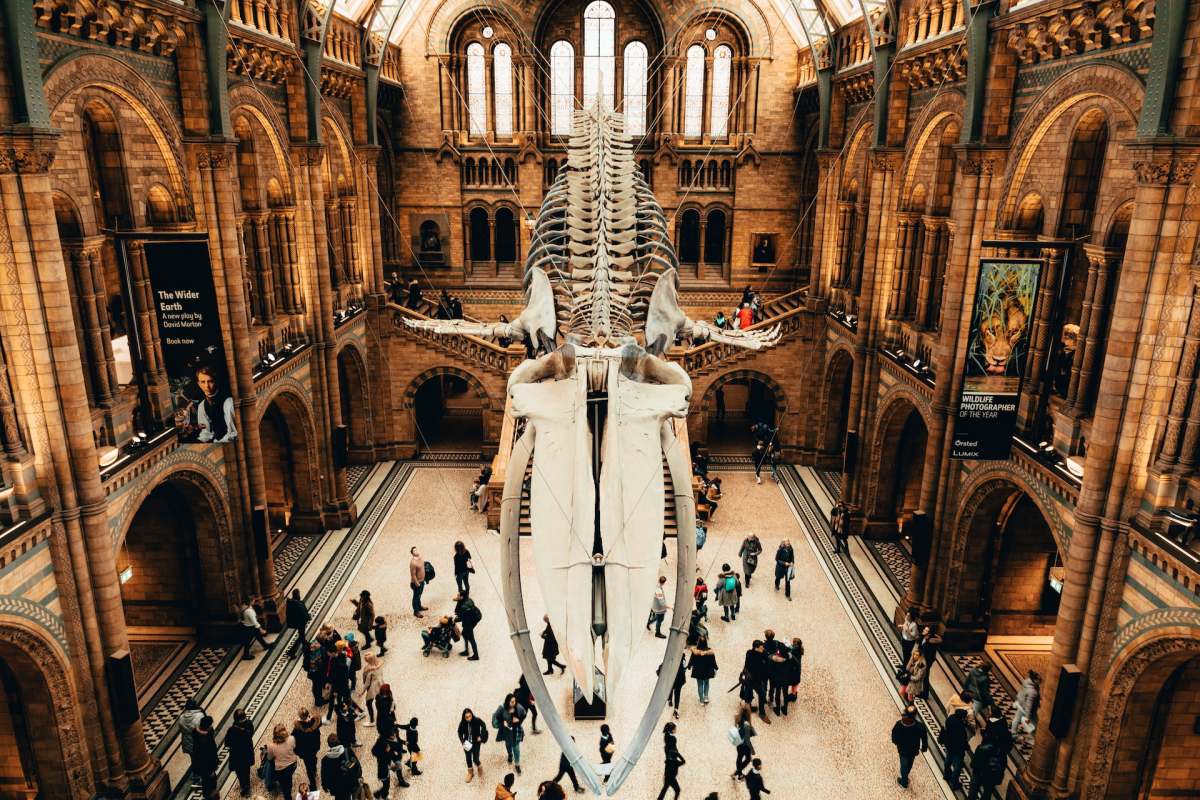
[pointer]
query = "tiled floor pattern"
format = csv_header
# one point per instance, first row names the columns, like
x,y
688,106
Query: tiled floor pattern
x,y
151,656
832,481
356,474
834,744
159,718
291,554
896,561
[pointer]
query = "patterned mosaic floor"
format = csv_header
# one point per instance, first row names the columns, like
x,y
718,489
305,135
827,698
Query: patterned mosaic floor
x,y
356,474
292,553
158,720
1001,694
896,562
151,657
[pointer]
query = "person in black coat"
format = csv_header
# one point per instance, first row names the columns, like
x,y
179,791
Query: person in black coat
x,y
351,776
565,768
910,738
307,733
785,559
550,649
297,619
525,697
468,615
472,729
204,757
672,761
757,669
955,738
608,745
462,567
240,742
412,740
677,686
331,765
385,710
388,752
987,770
754,780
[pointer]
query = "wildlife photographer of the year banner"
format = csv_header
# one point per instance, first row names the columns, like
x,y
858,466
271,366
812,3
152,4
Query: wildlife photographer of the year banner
x,y
189,328
997,352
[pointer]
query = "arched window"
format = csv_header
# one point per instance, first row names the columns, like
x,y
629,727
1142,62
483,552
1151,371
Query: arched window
x,y
506,236
635,88
480,235
719,107
714,237
476,91
693,93
503,100
599,54
562,87
689,237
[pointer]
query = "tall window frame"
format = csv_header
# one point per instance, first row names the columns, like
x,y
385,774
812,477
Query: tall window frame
x,y
562,87
599,52
693,92
476,90
719,104
502,89
636,68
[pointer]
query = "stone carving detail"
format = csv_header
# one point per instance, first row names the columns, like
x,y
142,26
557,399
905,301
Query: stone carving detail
x,y
1165,171
119,23
946,65
335,83
25,160
1082,28
259,62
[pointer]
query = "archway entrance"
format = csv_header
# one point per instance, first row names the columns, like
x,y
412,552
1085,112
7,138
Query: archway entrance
x,y
1012,571
732,407
837,404
292,486
33,764
1157,733
352,384
448,413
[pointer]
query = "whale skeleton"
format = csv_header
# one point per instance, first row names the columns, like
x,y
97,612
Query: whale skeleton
x,y
599,412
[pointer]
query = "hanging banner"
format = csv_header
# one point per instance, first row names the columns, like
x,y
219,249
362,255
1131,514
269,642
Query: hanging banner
x,y
189,328
997,352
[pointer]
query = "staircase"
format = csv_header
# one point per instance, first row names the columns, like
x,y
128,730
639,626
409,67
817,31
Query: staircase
x,y
476,351
699,360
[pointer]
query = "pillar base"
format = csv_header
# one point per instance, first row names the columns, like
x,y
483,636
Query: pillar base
x,y
959,638
340,514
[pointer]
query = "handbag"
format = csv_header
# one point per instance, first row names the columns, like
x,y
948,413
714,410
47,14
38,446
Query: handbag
x,y
735,736
609,748
792,573
467,745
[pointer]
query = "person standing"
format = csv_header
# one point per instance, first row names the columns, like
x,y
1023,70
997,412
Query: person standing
x,y
987,770
672,761
239,741
918,674
955,738
658,608
412,742
550,649
463,567
380,630
331,765
754,780
777,678
785,565
755,669
204,757
297,619
839,524
351,777
525,698
252,630
468,615
729,592
703,665
189,721
384,758
416,581
744,732
608,746
910,738
508,720
282,751
677,686
306,732
472,733
364,616
749,552
910,632
371,680
385,710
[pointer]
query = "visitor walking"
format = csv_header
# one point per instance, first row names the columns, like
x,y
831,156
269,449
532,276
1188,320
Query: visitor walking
x,y
910,738
703,666
740,734
839,525
677,686
239,741
550,649
509,720
979,684
189,721
729,593
204,757
785,567
987,770
565,769
364,616
525,698
754,780
252,630
297,619
416,581
672,761
955,739
306,732
463,567
1026,706
749,552
658,607
468,615
472,734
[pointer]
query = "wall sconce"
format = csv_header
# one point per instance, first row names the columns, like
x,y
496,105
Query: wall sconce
x,y
126,575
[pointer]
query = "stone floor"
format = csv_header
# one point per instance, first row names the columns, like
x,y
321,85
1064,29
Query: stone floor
x,y
834,744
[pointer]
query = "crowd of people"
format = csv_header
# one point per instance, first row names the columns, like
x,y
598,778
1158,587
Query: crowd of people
x,y
749,312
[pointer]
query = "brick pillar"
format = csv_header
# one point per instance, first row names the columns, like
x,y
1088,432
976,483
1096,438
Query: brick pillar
x,y
904,240
89,337
1040,337
1182,391
147,328
1101,265
262,264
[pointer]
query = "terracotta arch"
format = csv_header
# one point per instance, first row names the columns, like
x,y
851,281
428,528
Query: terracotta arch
x,y
289,411
354,383
408,402
892,420
949,108
56,725
781,402
249,101
835,394
1142,668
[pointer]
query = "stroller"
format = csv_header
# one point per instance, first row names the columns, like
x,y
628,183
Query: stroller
x,y
442,636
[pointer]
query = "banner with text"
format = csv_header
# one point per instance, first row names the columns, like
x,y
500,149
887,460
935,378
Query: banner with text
x,y
189,327
997,355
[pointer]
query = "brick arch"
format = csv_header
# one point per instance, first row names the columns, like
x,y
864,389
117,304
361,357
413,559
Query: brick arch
x,y
333,119
356,415
931,125
747,18
56,725
986,491
895,409
298,419
490,421
1137,678
838,366
781,402
1110,85
215,544
243,99
449,16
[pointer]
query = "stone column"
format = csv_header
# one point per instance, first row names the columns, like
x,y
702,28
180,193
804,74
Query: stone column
x,y
1182,393
90,336
1040,338
844,237
147,330
933,228
262,263
904,239
1101,264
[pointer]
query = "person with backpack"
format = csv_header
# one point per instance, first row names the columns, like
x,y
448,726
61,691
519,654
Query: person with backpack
x,y
740,735
417,578
700,596
749,551
468,615
509,719
987,770
910,738
472,733
729,592
703,665
297,619
955,739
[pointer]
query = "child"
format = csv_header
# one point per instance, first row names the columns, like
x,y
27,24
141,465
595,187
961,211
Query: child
x,y
380,631
414,748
